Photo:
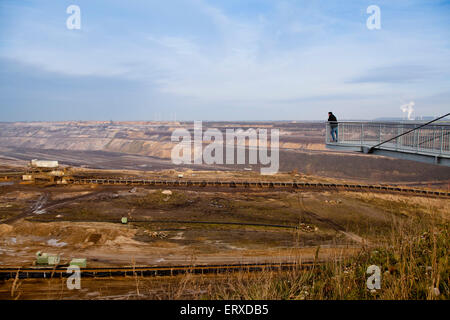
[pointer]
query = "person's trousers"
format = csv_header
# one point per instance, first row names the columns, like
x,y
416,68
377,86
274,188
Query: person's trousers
x,y
334,134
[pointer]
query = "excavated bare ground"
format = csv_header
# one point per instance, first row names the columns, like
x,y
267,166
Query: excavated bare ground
x,y
84,221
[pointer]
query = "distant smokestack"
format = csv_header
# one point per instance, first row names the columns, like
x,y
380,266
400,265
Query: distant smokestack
x,y
408,108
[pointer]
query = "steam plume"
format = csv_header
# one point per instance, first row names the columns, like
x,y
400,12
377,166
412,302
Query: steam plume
x,y
408,108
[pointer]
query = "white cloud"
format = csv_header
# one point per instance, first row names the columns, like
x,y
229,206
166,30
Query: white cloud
x,y
291,55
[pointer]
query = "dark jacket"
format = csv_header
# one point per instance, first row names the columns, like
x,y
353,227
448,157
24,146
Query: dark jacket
x,y
333,121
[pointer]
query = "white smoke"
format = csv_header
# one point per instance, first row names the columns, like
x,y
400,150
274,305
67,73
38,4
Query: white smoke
x,y
408,108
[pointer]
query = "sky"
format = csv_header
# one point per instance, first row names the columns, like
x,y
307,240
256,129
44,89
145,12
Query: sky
x,y
222,60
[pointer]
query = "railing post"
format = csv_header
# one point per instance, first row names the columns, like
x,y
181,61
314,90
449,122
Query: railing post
x,y
340,126
328,132
448,139
434,140
379,134
417,139
442,140
362,133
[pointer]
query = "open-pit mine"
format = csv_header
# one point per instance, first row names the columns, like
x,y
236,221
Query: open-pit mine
x,y
104,197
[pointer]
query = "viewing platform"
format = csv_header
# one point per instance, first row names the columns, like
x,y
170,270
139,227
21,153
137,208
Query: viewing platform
x,y
415,141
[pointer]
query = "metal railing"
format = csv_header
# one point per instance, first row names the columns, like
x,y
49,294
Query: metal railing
x,y
410,137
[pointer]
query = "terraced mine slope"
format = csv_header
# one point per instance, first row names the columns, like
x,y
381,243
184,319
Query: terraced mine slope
x,y
147,146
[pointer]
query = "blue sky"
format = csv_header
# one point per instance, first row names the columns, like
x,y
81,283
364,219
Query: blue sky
x,y
222,60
